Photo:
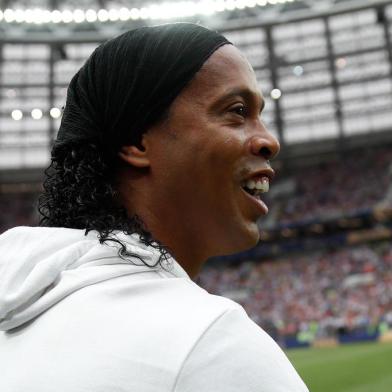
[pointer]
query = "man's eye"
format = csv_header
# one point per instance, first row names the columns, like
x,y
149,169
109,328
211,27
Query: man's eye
x,y
240,110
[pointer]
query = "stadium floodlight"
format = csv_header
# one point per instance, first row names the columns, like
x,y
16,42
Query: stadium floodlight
x,y
134,13
114,15
298,70
240,4
91,16
29,15
46,16
144,13
56,16
67,16
219,5
125,14
181,9
36,114
276,93
19,16
78,16
230,5
17,114
103,15
192,8
157,11
38,17
55,112
204,7
340,62
9,15
250,3
11,93
165,10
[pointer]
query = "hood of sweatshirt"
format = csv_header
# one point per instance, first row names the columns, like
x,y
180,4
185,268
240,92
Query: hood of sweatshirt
x,y
39,266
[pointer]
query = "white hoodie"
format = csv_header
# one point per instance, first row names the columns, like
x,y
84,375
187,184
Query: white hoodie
x,y
75,317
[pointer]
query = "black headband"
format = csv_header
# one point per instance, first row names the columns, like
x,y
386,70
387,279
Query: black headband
x,y
130,81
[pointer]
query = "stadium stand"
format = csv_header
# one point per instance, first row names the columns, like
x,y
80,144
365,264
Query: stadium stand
x,y
313,296
323,267
355,182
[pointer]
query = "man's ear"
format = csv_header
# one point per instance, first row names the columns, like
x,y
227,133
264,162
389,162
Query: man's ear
x,y
135,155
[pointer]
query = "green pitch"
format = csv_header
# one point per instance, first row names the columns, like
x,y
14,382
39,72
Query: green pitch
x,y
364,367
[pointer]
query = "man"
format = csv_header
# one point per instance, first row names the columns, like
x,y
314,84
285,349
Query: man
x,y
159,163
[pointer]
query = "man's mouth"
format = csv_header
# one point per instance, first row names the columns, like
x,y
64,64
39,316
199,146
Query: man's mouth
x,y
256,186
253,188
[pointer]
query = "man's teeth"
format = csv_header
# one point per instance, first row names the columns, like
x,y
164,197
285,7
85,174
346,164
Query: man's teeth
x,y
260,186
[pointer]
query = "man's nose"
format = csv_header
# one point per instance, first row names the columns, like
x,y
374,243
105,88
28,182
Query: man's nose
x,y
265,145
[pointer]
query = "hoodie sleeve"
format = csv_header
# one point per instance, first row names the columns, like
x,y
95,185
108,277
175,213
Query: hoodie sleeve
x,y
235,355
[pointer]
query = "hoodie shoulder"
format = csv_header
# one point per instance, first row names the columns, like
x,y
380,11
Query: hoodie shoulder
x,y
32,260
235,355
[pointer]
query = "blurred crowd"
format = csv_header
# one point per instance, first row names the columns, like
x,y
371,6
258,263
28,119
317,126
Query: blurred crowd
x,y
18,209
327,292
355,183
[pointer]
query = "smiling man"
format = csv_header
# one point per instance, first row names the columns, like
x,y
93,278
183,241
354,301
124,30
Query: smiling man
x,y
159,164
199,160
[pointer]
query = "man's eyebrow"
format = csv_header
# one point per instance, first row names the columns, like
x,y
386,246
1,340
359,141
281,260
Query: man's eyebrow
x,y
245,93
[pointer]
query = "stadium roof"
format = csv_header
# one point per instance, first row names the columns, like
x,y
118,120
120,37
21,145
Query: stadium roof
x,y
325,67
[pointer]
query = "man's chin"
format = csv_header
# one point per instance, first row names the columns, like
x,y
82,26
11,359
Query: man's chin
x,y
246,239
253,238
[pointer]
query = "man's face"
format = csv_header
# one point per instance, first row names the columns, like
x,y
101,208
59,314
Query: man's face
x,y
201,157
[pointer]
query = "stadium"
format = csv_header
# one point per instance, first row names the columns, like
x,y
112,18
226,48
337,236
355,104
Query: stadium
x,y
320,280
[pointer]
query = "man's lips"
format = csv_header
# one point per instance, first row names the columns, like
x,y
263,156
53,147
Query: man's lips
x,y
258,204
264,172
262,175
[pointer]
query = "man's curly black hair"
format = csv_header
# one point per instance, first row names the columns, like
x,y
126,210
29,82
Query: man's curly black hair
x,y
80,193
125,86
